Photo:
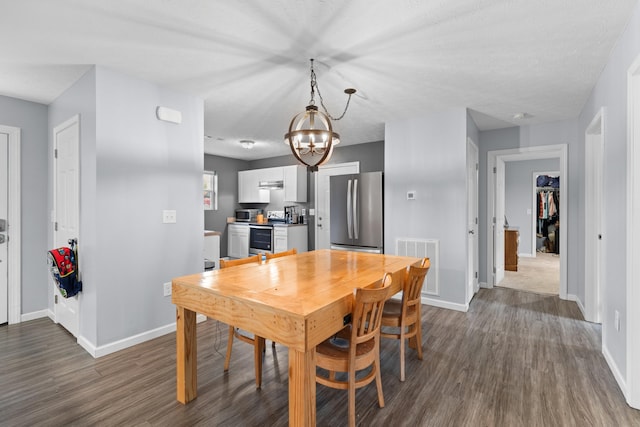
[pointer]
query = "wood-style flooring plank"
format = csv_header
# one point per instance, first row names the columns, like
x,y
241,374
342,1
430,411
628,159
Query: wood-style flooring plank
x,y
514,359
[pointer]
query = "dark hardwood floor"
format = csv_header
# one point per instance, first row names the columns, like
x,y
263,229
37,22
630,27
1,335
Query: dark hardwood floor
x,y
515,359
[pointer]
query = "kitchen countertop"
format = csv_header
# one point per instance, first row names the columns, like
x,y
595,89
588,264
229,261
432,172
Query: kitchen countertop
x,y
274,224
211,233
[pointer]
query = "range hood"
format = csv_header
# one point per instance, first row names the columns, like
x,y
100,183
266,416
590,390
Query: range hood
x,y
271,185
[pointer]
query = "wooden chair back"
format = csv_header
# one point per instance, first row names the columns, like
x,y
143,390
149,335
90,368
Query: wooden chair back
x,y
412,288
225,263
367,314
281,254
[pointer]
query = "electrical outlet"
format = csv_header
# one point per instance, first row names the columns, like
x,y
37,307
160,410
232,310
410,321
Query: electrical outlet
x,y
169,217
167,289
616,320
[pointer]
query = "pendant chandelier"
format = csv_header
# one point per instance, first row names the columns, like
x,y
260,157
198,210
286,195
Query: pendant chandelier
x,y
311,136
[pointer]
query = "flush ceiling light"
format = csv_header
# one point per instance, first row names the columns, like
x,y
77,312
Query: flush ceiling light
x,y
311,136
247,143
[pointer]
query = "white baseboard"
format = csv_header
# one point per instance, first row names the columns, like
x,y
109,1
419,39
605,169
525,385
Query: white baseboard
x,y
485,285
571,297
527,255
34,315
614,370
106,349
445,304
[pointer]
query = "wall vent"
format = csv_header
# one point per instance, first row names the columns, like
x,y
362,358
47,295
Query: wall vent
x,y
421,248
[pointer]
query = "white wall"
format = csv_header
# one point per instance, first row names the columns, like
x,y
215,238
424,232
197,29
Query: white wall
x,y
133,167
611,93
428,154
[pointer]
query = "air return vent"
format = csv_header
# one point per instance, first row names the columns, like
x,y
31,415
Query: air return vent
x,y
421,248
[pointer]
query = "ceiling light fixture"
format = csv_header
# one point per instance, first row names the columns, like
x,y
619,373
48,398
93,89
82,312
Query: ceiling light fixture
x,y
311,136
247,143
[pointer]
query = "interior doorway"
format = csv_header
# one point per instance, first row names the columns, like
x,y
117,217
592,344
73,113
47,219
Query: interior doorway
x,y
496,216
323,217
66,197
10,257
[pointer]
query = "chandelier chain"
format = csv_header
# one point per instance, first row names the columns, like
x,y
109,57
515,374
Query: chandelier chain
x,y
314,87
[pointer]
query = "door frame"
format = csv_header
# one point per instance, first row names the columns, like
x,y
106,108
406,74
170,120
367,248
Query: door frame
x,y
13,220
473,284
633,235
355,165
593,251
525,153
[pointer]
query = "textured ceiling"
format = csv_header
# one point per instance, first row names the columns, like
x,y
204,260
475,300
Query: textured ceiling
x,y
249,59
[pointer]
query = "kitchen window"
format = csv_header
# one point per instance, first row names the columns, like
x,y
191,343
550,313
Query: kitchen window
x,y
210,190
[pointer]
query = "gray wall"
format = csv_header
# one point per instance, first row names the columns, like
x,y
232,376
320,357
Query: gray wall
x,y
31,118
611,93
80,99
227,171
132,168
520,209
428,154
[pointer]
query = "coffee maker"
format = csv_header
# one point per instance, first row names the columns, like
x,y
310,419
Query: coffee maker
x,y
290,216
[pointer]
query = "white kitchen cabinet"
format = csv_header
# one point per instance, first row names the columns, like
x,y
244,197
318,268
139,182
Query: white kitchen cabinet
x,y
238,241
289,237
248,191
295,183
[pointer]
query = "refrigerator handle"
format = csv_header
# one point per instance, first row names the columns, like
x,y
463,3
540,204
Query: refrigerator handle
x,y
356,226
349,211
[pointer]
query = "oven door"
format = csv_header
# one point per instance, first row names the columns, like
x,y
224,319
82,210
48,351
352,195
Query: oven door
x,y
260,239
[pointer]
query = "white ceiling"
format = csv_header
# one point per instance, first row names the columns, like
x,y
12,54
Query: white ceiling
x,y
249,59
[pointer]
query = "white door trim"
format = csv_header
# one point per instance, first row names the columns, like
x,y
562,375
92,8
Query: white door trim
x,y
472,282
13,220
594,154
355,165
633,235
526,153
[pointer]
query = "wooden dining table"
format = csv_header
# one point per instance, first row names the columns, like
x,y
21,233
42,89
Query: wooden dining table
x,y
297,301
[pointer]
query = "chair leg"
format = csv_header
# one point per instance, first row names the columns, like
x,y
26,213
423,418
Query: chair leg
x,y
419,334
227,358
376,366
352,398
402,344
258,350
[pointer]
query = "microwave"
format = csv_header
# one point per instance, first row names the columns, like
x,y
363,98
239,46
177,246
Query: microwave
x,y
247,215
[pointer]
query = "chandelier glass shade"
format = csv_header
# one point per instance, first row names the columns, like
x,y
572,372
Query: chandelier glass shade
x,y
311,136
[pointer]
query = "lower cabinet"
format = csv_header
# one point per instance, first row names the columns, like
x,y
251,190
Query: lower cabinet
x,y
238,241
289,237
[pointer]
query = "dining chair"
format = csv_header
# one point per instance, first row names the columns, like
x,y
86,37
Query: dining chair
x,y
280,254
404,316
356,347
255,341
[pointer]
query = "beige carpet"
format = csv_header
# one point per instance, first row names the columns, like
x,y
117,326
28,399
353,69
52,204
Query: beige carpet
x,y
540,274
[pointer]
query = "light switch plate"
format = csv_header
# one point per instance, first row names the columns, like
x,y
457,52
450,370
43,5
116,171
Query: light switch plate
x,y
169,217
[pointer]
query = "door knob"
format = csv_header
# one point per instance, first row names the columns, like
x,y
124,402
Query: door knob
x,y
471,232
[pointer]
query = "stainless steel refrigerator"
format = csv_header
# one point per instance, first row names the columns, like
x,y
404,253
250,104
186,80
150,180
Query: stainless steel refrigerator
x,y
356,206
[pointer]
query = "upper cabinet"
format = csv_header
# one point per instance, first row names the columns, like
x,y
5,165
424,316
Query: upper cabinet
x,y
295,183
290,179
248,190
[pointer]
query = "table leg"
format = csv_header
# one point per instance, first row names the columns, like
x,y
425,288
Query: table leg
x,y
302,387
186,355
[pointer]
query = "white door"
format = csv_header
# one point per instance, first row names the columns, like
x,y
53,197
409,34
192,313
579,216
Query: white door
x,y
472,220
498,224
323,220
594,154
4,210
67,209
